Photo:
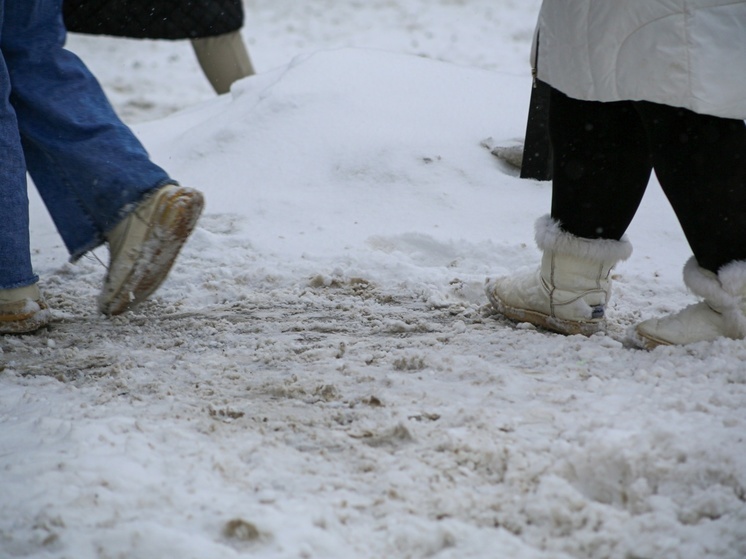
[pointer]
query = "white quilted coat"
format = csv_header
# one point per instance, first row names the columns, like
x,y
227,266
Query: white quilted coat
x,y
684,53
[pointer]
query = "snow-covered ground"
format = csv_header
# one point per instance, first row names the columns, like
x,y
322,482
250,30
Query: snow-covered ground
x,y
320,376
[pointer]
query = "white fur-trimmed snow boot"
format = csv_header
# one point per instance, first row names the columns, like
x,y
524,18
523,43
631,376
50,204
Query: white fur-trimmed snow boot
x,y
23,310
569,292
721,314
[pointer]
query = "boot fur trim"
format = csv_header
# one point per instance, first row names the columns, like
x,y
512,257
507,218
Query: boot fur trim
x,y
724,292
550,236
733,278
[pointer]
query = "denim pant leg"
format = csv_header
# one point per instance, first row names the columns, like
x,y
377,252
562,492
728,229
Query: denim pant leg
x,y
15,257
87,165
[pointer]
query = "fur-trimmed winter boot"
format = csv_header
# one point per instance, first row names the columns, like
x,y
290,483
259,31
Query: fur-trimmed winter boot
x,y
569,292
721,314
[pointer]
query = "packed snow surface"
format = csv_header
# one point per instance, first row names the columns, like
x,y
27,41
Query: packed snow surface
x,y
321,375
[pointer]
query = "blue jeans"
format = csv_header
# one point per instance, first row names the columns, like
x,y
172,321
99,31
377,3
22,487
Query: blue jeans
x,y
56,123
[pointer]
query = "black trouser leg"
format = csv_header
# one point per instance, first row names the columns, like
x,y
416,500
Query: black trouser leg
x,y
700,162
601,165
603,153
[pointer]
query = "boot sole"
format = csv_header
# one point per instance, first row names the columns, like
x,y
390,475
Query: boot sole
x,y
648,342
24,323
558,325
174,219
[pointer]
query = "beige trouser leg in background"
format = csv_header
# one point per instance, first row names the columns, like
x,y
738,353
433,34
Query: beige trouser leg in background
x,y
224,59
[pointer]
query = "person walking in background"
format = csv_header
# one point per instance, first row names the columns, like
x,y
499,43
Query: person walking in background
x,y
92,173
212,26
638,86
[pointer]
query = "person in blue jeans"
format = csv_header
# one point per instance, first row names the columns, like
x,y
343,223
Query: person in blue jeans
x,y
92,173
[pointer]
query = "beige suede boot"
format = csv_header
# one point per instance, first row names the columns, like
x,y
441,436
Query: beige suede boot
x,y
23,310
145,244
569,292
